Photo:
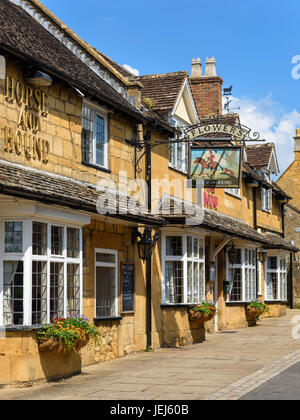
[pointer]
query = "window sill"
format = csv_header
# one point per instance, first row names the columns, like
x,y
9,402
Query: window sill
x,y
239,197
236,303
178,305
22,328
267,211
179,171
109,318
269,302
99,168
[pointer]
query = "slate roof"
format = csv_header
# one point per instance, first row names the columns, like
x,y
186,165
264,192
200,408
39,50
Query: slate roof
x,y
259,155
48,188
163,89
21,34
218,222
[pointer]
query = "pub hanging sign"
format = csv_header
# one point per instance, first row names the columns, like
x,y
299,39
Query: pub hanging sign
x,y
218,167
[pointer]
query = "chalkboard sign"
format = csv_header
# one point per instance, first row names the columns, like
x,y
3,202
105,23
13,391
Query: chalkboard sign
x,y
127,287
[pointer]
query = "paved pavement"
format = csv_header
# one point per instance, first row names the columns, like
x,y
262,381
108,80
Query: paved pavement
x,y
228,365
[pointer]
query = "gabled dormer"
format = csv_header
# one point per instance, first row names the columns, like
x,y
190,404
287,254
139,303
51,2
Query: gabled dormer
x,y
264,159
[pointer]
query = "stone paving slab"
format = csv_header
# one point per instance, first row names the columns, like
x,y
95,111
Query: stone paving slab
x,y
228,365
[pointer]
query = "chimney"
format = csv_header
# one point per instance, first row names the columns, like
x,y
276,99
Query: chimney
x,y
196,67
207,90
297,144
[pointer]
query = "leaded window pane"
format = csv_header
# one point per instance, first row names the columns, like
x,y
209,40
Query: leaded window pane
x,y
57,240
73,243
174,246
174,282
56,291
13,292
39,292
100,140
73,289
39,238
13,237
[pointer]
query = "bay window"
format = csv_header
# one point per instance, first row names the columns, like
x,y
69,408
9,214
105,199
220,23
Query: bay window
x,y
241,276
183,261
276,278
41,265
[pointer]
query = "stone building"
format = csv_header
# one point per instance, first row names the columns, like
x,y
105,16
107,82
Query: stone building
x,y
91,173
290,181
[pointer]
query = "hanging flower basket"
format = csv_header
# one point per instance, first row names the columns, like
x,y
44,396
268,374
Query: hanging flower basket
x,y
67,334
203,312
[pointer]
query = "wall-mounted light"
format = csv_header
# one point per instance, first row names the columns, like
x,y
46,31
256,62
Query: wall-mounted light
x,y
40,79
145,242
233,254
262,255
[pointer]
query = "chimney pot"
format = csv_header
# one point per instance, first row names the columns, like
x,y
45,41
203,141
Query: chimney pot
x,y
211,68
196,67
297,140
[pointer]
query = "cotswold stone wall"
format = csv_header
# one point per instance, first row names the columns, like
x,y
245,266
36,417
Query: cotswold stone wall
x,y
292,222
42,129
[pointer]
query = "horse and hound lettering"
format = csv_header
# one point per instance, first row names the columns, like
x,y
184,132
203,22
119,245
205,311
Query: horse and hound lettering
x,y
218,167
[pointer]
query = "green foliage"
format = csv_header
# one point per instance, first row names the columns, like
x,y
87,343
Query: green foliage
x,y
260,306
68,331
206,308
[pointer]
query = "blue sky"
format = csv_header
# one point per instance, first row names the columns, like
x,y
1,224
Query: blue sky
x,y
253,43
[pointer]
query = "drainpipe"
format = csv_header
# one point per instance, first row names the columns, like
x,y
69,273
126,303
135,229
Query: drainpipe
x,y
148,232
283,219
291,288
255,208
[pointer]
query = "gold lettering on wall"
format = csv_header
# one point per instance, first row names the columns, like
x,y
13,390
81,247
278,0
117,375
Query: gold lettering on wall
x,y
32,104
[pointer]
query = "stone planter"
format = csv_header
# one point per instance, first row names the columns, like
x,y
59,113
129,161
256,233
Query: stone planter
x,y
47,345
252,314
52,344
199,316
83,342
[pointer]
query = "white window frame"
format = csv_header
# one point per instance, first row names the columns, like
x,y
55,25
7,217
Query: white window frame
x,y
279,272
185,149
243,268
259,274
184,259
114,265
96,110
27,257
266,199
235,192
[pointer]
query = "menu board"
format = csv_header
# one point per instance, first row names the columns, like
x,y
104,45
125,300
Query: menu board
x,y
127,287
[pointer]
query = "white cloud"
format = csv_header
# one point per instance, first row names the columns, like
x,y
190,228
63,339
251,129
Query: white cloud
x,y
273,123
136,72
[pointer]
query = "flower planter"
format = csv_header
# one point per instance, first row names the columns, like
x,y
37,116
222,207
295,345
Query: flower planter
x,y
52,344
83,342
252,314
47,345
199,316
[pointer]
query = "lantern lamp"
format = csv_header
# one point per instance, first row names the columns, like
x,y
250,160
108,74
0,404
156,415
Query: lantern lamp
x,y
262,255
233,254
